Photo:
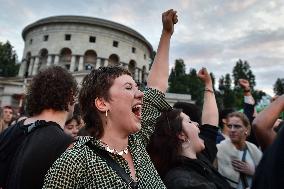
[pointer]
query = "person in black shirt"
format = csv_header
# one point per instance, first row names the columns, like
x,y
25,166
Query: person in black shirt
x,y
50,101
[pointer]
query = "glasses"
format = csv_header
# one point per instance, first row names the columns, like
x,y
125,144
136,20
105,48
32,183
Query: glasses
x,y
236,126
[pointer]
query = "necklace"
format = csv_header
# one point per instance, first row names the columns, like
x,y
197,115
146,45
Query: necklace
x,y
112,150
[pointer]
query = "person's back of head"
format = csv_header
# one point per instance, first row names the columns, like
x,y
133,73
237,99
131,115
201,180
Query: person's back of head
x,y
52,88
192,110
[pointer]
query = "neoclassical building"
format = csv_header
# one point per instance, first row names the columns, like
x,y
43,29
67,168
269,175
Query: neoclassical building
x,y
81,43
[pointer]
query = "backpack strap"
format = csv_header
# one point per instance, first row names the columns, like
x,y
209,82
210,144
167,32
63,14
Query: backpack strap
x,y
242,175
118,169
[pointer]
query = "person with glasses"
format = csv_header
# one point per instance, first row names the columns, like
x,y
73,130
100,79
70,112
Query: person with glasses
x,y
236,157
183,151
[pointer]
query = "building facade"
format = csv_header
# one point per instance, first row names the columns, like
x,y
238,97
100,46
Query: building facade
x,y
83,43
78,44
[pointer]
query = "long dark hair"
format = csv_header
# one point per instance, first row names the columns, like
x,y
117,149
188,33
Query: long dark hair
x,y
164,145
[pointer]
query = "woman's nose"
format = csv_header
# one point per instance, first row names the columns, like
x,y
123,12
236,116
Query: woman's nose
x,y
139,94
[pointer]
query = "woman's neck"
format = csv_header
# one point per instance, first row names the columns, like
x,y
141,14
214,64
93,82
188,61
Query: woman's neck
x,y
115,141
187,152
240,145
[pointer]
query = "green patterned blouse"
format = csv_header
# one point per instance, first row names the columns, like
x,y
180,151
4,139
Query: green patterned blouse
x,y
80,167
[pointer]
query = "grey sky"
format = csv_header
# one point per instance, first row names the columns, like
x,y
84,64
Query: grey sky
x,y
210,33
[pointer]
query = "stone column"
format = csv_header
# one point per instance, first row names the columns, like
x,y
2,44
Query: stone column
x,y
139,75
136,74
99,62
32,60
81,63
49,59
23,68
56,60
72,64
35,67
103,62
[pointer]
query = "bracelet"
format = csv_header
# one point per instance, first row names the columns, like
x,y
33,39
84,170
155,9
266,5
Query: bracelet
x,y
208,90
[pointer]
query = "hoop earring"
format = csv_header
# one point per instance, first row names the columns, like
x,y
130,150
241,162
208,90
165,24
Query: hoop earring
x,y
186,143
106,117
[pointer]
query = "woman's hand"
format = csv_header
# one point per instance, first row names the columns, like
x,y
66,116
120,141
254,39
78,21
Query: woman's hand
x,y
243,167
169,18
244,84
205,77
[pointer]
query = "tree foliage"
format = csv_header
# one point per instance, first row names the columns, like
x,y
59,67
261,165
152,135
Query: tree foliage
x,y
8,60
228,95
242,71
278,87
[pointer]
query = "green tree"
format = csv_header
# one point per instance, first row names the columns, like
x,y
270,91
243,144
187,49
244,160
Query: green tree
x,y
195,87
177,79
152,59
227,95
242,71
278,87
213,80
8,59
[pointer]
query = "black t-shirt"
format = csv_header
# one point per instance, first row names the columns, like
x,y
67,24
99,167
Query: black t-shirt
x,y
270,171
36,155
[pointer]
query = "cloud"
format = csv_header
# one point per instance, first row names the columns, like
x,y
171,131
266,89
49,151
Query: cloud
x,y
214,34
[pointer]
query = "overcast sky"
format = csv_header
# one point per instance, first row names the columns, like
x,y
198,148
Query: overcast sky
x,y
210,33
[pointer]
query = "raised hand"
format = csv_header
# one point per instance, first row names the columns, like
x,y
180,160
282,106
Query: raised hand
x,y
169,18
244,84
205,77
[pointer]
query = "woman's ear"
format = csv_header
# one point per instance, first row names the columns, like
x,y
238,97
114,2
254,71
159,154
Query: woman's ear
x,y
101,104
247,131
182,136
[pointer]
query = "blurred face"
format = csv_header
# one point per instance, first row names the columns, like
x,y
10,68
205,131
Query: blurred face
x,y
7,115
237,130
191,130
72,128
125,105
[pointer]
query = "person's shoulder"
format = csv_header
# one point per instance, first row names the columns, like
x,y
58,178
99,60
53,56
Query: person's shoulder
x,y
178,177
177,173
76,153
224,143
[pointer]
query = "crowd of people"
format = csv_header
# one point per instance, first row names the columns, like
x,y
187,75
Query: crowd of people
x,y
116,136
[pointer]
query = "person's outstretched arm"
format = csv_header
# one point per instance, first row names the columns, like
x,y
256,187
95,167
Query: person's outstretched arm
x,y
159,73
210,113
154,100
249,101
264,121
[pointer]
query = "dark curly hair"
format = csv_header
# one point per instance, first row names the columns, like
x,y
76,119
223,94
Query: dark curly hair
x,y
97,84
52,88
164,145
